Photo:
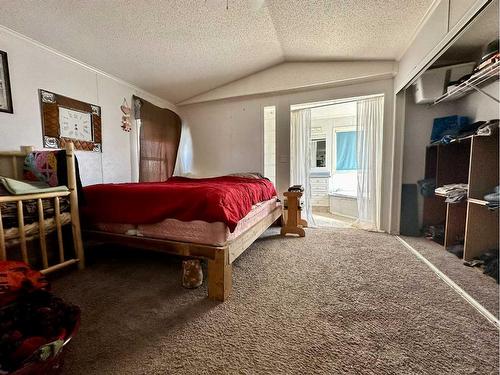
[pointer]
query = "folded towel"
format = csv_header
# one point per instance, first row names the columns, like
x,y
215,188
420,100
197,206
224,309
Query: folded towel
x,y
17,187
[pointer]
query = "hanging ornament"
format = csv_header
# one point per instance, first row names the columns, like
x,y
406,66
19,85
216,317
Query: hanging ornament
x,y
126,124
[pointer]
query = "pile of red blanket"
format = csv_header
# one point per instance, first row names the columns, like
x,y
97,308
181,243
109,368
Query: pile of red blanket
x,y
226,199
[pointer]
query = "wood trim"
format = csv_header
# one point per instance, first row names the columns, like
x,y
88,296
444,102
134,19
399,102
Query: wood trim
x,y
455,223
41,234
186,249
244,240
59,266
3,251
28,197
481,230
220,275
57,216
75,213
22,235
483,168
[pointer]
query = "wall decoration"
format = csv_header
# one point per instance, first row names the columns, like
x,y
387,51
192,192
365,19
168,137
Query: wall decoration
x,y
65,119
126,124
5,93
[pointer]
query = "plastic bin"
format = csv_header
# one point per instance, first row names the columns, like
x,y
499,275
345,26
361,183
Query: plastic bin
x,y
450,125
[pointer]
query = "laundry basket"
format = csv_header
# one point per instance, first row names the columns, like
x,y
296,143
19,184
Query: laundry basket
x,y
49,358
35,325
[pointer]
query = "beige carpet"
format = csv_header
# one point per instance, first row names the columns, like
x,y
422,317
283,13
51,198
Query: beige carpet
x,y
482,288
339,301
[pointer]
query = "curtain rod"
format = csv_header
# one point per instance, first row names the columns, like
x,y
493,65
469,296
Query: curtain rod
x,y
332,102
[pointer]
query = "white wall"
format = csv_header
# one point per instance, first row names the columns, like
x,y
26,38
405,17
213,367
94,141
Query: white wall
x,y
227,134
478,107
417,134
300,76
33,66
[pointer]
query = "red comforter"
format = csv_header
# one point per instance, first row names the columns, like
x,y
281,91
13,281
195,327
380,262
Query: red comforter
x,y
227,199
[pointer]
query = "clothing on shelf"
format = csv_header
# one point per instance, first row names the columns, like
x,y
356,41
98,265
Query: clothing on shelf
x,y
489,262
493,199
454,192
483,128
435,233
448,126
488,128
490,56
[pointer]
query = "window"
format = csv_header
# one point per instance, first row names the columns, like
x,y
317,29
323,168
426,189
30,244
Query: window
x,y
346,151
270,143
344,179
318,149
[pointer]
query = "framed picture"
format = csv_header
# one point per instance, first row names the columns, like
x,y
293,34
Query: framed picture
x,y
5,95
65,119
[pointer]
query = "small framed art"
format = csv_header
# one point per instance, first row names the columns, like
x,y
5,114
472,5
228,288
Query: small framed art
x,y
5,94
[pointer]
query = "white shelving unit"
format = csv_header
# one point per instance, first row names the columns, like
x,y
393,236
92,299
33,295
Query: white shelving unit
x,y
474,83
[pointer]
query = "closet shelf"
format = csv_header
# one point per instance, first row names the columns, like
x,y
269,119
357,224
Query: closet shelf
x,y
477,201
480,79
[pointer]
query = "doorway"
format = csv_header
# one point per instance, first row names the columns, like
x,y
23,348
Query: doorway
x,y
336,153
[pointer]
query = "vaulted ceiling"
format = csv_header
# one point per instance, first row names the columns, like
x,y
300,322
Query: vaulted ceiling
x,y
177,49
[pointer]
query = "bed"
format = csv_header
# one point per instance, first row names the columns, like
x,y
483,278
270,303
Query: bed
x,y
215,219
33,216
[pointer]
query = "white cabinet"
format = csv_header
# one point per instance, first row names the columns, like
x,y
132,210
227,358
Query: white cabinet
x,y
431,33
444,22
319,191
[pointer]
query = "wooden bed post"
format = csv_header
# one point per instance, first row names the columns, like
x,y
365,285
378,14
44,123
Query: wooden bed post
x,y
73,198
220,275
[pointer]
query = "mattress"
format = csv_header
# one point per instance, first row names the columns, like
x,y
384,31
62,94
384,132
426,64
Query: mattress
x,y
196,231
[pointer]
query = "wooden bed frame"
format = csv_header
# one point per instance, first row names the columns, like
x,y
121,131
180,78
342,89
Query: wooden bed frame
x,y
220,258
11,165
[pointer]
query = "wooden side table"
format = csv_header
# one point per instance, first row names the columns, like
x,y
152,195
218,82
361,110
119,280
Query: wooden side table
x,y
294,223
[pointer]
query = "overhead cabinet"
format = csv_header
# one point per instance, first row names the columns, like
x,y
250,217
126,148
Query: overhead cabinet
x,y
430,34
458,9
443,23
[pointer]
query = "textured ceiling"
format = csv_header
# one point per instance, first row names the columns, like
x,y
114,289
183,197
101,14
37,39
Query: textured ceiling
x,y
180,48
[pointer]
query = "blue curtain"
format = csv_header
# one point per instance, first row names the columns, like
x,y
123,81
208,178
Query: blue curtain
x,y
346,151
